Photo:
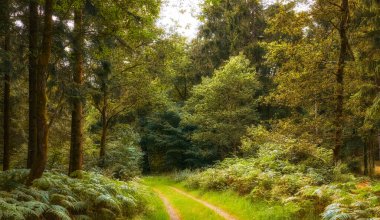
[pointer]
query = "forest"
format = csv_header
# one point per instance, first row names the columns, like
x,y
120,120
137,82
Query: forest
x,y
272,111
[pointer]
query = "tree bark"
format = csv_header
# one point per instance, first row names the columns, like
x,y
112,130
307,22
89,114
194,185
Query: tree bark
x,y
102,152
365,157
33,56
371,156
6,71
39,162
338,123
378,146
76,148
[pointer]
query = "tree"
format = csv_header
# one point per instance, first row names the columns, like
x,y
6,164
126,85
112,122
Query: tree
x,y
343,56
119,91
76,148
365,104
224,104
6,71
166,144
40,156
303,86
229,27
169,60
121,32
33,59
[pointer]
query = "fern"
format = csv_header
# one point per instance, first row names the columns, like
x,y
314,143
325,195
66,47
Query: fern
x,y
79,207
57,196
81,217
331,211
56,211
38,207
108,202
342,216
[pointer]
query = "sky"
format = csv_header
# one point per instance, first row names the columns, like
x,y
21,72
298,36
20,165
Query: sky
x,y
180,16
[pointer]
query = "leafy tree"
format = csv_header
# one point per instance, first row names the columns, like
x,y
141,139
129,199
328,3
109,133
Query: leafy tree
x,y
364,103
166,143
229,27
224,104
169,60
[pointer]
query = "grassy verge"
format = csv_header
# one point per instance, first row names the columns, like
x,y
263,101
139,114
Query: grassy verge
x,y
244,208
239,206
155,209
187,208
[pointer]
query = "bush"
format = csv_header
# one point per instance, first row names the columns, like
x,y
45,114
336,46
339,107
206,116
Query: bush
x,y
57,196
292,171
123,158
181,175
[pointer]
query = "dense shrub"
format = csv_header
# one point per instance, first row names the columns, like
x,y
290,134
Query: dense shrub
x,y
274,163
57,196
123,157
291,170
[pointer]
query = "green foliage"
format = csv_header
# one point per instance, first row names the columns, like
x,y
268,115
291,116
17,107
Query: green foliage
x,y
279,164
166,143
124,157
228,28
283,169
57,196
222,106
292,171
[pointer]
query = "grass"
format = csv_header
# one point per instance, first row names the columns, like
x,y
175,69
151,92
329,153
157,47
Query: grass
x,y
155,210
187,208
241,207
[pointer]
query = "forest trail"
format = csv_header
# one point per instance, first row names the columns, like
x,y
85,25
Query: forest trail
x,y
219,211
181,205
173,213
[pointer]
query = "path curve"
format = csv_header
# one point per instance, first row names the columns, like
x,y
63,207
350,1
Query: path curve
x,y
217,210
173,214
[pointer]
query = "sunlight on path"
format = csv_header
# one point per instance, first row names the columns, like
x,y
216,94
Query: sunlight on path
x,y
217,210
173,214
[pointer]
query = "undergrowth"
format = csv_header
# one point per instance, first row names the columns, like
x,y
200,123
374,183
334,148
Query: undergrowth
x,y
292,171
57,196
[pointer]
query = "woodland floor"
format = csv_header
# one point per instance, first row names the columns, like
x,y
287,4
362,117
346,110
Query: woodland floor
x,y
181,205
176,202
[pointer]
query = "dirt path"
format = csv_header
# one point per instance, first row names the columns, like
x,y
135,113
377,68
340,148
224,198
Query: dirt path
x,y
173,214
217,210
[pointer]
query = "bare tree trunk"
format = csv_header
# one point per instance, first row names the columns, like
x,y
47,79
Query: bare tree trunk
x,y
378,145
102,152
371,156
76,148
39,161
7,83
338,123
365,157
33,56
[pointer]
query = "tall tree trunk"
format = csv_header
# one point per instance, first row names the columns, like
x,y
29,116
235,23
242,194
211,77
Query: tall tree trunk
x,y
371,156
338,123
76,148
378,146
39,161
33,55
5,26
365,157
102,152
